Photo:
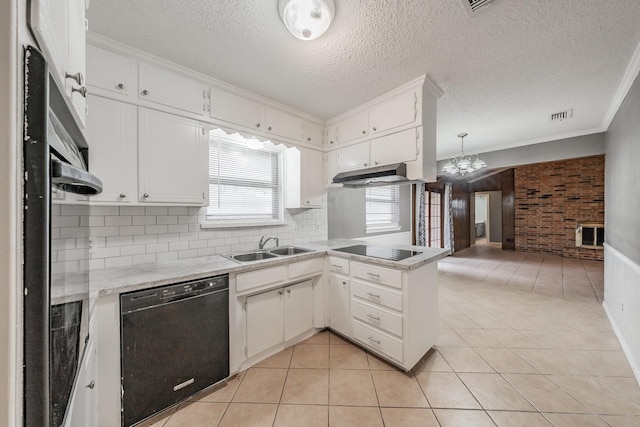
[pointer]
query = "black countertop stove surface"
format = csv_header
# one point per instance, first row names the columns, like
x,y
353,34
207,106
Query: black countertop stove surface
x,y
379,252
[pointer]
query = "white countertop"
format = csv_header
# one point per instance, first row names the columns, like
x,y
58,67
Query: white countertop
x,y
142,276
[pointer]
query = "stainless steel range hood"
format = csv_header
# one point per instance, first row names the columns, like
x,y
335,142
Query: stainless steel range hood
x,y
376,176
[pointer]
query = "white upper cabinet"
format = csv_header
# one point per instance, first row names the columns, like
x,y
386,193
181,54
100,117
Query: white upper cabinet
x,y
282,124
353,127
171,89
112,138
391,113
111,72
304,178
173,159
394,148
332,135
353,157
331,166
59,27
313,133
236,109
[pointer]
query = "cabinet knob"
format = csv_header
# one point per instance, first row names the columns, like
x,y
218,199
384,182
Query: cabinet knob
x,y
145,92
77,77
375,163
257,125
344,283
365,164
364,132
307,202
145,195
331,142
120,86
309,139
374,129
269,128
82,90
288,291
280,292
122,195
91,385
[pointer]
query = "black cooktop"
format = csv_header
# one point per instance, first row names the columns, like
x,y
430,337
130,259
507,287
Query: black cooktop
x,y
379,252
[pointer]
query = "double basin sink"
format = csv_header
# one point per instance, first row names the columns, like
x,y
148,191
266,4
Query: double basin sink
x,y
266,254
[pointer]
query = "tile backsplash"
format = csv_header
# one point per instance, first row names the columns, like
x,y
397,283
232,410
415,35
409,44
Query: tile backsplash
x,y
122,236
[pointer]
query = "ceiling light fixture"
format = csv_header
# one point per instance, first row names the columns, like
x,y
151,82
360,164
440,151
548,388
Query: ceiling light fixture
x,y
307,19
463,164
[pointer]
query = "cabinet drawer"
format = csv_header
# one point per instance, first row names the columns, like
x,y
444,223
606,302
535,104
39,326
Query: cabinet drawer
x,y
373,273
376,316
376,294
262,277
339,265
306,268
378,341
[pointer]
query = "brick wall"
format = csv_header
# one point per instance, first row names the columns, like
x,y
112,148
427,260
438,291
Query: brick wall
x,y
551,198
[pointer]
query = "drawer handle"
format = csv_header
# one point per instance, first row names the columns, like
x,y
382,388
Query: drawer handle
x,y
374,340
336,266
372,317
373,295
373,275
77,77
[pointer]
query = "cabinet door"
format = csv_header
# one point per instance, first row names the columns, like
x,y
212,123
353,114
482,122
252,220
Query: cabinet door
x,y
283,124
353,157
236,109
399,110
265,321
171,89
338,305
395,148
172,159
312,176
331,166
112,136
298,309
332,135
77,57
353,127
313,133
110,71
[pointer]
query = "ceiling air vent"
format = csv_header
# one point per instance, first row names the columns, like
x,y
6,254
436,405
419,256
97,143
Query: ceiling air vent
x,y
560,116
472,6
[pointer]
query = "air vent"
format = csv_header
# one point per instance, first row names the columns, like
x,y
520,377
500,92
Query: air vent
x,y
561,115
472,6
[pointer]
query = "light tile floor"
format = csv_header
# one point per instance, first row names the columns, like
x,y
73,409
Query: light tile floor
x,y
524,341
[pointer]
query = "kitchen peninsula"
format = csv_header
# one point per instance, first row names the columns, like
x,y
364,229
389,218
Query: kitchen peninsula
x,y
388,307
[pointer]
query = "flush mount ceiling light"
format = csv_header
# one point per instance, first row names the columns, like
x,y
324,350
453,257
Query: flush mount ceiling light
x,y
307,19
463,164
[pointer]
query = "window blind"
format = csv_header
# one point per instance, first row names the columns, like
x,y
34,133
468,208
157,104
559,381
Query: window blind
x,y
244,183
382,207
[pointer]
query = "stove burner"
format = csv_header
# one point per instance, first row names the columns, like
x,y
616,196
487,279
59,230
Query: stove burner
x,y
379,252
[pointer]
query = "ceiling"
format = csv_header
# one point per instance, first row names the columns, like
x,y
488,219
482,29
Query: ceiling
x,y
503,70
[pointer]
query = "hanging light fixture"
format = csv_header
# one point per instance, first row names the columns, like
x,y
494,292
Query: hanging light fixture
x,y
307,19
463,164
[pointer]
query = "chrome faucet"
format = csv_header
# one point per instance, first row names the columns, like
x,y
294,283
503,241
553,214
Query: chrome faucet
x,y
264,241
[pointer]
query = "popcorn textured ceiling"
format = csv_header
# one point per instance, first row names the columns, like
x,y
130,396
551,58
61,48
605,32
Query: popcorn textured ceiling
x,y
503,70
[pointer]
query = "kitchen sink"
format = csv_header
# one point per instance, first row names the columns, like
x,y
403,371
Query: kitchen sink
x,y
288,250
252,256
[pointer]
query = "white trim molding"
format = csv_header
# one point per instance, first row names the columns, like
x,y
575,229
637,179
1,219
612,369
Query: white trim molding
x,y
627,80
622,303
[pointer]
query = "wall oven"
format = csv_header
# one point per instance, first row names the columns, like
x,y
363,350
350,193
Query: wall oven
x,y
57,303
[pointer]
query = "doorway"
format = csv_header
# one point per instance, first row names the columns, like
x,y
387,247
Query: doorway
x,y
487,224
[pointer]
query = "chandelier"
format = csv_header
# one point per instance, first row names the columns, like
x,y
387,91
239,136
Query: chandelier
x,y
464,163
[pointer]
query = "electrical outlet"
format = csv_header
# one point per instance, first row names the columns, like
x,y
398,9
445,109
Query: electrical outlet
x,y
92,244
317,228
622,307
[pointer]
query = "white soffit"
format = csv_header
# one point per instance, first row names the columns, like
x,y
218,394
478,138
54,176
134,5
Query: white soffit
x,y
503,68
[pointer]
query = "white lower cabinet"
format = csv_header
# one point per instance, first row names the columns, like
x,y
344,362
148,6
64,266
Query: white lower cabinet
x,y
339,314
172,159
278,315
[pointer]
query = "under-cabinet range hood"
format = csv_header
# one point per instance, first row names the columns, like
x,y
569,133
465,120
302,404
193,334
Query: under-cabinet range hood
x,y
376,176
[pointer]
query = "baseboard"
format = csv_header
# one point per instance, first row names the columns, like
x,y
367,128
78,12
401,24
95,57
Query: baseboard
x,y
623,343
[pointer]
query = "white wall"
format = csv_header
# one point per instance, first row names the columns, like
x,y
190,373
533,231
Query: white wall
x,y
10,220
622,205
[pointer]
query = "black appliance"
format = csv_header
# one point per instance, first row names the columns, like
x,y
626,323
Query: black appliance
x,y
56,289
174,343
382,252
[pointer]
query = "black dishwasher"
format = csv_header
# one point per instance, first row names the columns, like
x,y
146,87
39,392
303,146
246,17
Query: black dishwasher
x,y
174,343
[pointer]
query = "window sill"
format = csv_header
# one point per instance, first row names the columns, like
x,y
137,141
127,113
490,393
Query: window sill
x,y
208,225
382,229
